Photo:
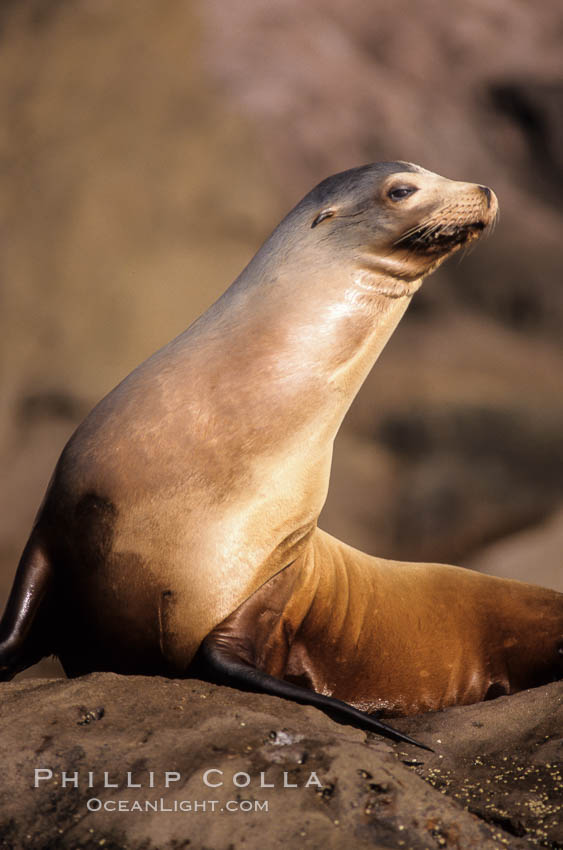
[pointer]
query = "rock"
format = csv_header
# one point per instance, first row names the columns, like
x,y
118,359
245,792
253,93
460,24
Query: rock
x,y
535,554
494,779
502,760
445,450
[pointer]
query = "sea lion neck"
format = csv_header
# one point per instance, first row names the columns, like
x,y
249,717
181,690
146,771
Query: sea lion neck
x,y
313,334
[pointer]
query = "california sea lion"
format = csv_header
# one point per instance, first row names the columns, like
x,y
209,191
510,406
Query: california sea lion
x,y
186,503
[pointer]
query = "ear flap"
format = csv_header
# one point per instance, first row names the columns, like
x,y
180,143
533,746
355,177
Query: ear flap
x,y
321,217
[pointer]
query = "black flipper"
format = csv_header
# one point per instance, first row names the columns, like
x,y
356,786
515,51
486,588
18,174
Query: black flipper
x,y
22,638
218,663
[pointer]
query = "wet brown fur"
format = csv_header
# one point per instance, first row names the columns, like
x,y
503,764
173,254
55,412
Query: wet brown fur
x,y
394,637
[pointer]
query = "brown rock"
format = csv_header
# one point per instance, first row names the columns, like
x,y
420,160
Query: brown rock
x,y
535,554
498,758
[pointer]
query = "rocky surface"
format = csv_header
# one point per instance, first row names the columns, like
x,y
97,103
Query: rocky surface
x,y
494,779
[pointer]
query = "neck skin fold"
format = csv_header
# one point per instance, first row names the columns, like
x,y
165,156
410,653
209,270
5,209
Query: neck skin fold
x,y
365,319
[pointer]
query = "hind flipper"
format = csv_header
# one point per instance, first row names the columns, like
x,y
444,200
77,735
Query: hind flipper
x,y
22,638
218,661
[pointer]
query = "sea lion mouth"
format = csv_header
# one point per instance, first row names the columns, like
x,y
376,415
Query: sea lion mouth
x,y
439,238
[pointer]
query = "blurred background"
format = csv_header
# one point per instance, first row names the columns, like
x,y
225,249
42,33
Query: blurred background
x,y
147,149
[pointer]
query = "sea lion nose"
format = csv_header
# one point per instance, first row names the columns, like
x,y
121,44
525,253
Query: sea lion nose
x,y
487,193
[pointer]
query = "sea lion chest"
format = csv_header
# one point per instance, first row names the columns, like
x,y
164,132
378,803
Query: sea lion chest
x,y
182,492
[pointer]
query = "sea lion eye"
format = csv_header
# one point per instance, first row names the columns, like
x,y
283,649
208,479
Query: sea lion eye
x,y
400,192
321,216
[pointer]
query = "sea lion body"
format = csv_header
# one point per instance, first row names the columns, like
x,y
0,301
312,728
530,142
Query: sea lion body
x,y
394,637
201,476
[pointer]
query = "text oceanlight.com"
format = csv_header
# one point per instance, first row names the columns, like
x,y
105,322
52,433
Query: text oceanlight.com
x,y
94,804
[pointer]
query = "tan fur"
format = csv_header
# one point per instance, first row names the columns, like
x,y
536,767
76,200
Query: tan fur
x,y
396,637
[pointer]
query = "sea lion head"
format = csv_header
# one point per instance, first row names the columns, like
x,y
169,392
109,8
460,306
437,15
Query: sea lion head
x,y
397,218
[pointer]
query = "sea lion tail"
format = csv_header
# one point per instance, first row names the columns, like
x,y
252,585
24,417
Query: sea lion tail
x,y
22,632
220,663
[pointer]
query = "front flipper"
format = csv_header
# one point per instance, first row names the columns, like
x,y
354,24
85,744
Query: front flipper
x,y
24,628
218,661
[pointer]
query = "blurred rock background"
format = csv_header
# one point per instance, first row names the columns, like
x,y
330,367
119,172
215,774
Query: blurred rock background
x,y
146,150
